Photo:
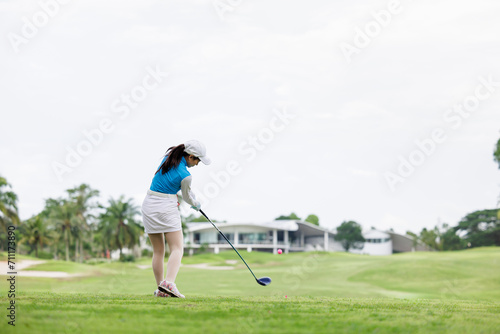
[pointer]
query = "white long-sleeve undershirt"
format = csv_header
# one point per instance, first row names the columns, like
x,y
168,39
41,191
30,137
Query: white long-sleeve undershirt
x,y
187,195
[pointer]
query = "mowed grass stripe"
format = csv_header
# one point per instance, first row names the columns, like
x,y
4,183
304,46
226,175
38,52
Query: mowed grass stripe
x,y
79,313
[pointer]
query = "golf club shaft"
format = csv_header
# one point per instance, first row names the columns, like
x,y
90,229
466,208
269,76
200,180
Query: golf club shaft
x,y
229,242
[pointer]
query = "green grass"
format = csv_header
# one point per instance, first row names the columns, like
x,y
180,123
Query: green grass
x,y
454,292
69,267
4,257
93,313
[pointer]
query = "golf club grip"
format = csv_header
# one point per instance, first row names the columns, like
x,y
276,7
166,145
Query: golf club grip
x,y
229,242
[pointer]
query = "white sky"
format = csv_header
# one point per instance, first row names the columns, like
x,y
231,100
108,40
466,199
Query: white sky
x,y
228,78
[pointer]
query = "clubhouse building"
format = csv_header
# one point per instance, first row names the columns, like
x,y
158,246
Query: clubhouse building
x,y
290,236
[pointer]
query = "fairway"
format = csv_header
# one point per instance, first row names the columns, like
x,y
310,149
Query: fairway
x,y
91,313
454,292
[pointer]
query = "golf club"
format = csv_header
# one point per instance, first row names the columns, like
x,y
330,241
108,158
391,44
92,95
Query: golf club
x,y
263,280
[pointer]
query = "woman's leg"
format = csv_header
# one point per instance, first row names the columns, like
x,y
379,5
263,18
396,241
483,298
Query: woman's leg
x,y
158,255
175,241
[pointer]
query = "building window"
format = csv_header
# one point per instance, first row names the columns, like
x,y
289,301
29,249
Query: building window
x,y
377,241
221,239
252,238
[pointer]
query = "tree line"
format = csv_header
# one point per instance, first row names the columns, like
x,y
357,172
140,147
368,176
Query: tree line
x,y
73,227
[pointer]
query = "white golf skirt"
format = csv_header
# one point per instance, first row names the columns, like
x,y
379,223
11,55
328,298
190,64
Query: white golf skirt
x,y
160,213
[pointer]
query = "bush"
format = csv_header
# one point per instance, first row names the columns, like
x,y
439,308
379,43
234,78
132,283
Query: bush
x,y
97,261
203,248
146,253
127,258
45,255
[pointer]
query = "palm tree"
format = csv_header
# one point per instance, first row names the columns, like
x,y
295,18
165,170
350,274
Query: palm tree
x,y
62,213
81,197
118,225
99,245
36,234
8,210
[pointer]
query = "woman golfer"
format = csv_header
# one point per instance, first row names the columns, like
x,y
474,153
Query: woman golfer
x,y
160,215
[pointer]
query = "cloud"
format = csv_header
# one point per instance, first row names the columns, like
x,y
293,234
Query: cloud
x,y
365,173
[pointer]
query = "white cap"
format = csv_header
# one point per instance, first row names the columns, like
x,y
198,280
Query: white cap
x,y
197,149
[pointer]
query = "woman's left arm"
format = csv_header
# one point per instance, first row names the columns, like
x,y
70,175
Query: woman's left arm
x,y
187,195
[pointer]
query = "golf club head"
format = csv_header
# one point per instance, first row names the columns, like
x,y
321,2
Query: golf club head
x,y
264,281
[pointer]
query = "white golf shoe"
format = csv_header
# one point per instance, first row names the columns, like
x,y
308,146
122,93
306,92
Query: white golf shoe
x,y
170,289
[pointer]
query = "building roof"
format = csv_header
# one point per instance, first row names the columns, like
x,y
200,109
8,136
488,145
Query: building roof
x,y
375,234
284,225
406,243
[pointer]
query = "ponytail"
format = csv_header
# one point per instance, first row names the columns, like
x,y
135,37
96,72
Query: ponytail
x,y
174,155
